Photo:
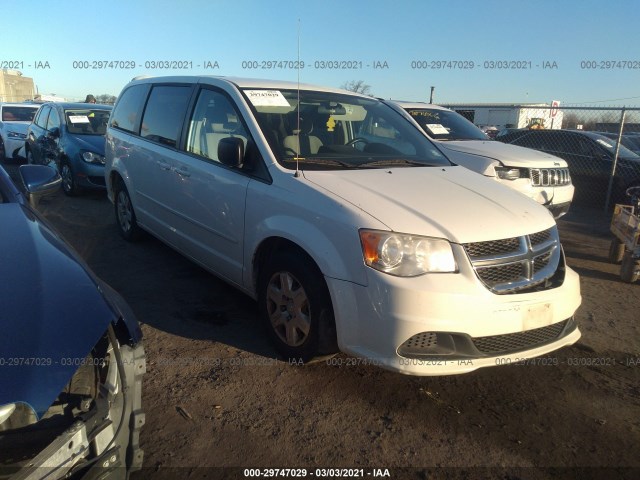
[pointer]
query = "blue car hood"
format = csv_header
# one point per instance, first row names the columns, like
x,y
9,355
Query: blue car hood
x,y
94,143
51,311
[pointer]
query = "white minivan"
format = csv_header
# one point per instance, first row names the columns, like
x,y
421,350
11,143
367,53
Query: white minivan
x,y
538,175
348,226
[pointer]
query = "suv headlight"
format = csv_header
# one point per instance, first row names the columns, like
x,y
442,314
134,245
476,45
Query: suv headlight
x,y
506,173
406,255
91,157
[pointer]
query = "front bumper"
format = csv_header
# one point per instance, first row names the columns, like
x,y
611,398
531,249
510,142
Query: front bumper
x,y
556,198
90,176
376,321
12,147
101,443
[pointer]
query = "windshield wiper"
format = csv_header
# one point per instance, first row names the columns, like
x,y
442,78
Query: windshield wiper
x,y
321,161
393,162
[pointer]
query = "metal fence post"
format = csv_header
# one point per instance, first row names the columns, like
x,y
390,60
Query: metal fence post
x,y
615,161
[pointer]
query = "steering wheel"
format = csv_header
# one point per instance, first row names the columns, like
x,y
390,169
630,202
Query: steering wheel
x,y
353,142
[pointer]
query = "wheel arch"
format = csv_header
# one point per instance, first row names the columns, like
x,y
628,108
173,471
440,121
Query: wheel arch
x,y
274,245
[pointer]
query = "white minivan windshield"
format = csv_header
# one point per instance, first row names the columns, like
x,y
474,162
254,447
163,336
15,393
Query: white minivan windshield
x,y
326,130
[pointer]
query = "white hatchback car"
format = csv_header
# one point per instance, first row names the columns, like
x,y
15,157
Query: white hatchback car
x,y
538,175
349,227
14,121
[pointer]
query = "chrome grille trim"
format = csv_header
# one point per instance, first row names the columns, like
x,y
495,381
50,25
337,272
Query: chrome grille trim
x,y
544,177
507,266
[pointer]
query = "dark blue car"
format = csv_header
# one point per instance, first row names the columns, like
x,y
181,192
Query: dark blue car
x,y
71,357
71,137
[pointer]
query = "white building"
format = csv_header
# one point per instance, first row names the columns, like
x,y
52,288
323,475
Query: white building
x,y
510,115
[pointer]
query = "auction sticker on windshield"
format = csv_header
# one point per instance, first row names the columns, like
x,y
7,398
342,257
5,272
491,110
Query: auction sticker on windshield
x,y
437,129
78,119
267,98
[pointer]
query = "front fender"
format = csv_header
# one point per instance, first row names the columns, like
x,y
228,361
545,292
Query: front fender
x,y
336,251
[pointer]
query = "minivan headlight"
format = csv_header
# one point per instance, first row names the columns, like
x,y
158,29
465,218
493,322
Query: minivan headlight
x,y
406,255
91,157
506,173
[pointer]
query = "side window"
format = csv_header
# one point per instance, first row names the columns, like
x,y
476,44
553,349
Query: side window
x,y
164,114
43,114
54,120
589,149
213,119
127,111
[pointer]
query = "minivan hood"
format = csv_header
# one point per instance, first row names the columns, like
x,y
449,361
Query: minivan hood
x,y
45,332
508,155
448,202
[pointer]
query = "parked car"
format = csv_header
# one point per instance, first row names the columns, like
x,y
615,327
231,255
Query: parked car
x,y
540,176
589,156
14,120
350,228
71,356
70,136
628,140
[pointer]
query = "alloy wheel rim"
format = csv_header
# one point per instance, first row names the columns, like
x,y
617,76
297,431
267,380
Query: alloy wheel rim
x,y
67,178
124,211
288,308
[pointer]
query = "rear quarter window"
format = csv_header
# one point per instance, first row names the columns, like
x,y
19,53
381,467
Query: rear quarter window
x,y
164,114
126,114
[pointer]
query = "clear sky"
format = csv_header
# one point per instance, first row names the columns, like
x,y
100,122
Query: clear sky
x,y
414,43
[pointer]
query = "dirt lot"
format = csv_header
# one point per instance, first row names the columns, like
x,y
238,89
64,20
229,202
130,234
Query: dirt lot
x,y
215,396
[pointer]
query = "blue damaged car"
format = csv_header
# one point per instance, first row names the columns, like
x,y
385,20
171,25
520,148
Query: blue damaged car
x,y
71,355
70,137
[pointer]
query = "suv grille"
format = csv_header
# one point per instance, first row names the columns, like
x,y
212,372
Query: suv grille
x,y
544,177
514,264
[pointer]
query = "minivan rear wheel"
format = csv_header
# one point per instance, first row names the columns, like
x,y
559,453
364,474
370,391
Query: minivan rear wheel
x,y
125,215
295,306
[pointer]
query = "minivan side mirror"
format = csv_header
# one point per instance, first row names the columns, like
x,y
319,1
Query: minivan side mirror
x,y
231,151
39,181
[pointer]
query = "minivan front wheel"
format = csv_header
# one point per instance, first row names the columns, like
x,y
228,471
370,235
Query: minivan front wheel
x,y
125,216
296,307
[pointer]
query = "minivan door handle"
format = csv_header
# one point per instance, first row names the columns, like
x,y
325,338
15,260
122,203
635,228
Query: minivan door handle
x,y
164,166
182,171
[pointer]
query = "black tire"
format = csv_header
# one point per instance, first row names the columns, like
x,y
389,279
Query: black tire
x,y
125,215
69,185
28,155
298,317
616,251
630,268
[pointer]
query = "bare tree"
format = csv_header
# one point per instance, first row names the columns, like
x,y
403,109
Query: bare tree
x,y
106,99
357,86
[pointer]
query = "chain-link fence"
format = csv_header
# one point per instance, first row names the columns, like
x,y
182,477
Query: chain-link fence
x,y
601,145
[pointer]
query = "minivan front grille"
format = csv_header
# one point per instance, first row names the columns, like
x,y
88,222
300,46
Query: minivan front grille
x,y
513,342
515,264
545,177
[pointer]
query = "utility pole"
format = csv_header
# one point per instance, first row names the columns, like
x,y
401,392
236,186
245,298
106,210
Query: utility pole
x,y
431,96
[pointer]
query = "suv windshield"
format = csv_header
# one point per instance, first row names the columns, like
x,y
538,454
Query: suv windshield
x,y
446,125
87,121
610,145
324,130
